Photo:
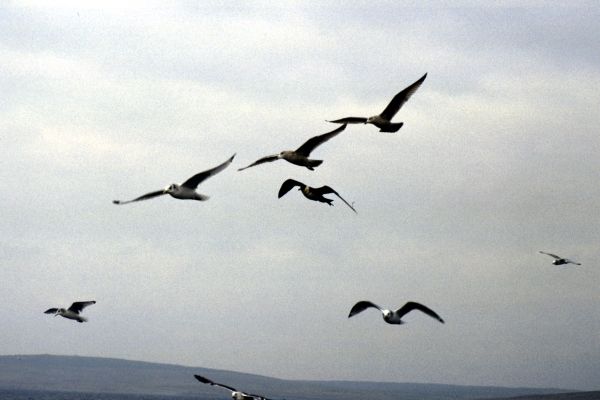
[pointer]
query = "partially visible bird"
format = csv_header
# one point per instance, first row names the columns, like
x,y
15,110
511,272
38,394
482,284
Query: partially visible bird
x,y
72,312
394,317
559,260
185,191
384,120
235,394
300,155
316,194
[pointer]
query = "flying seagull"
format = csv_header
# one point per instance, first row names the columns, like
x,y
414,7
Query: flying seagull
x,y
384,120
394,317
311,193
235,394
559,260
300,155
185,191
72,312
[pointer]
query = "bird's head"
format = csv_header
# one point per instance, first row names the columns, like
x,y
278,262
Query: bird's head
x,y
387,314
171,188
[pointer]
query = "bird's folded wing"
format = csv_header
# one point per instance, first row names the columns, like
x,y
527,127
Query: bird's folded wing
x,y
261,161
349,120
313,142
144,197
401,98
362,306
195,180
51,311
80,305
288,185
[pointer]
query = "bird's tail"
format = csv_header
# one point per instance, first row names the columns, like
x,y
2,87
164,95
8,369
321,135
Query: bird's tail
x,y
314,163
392,127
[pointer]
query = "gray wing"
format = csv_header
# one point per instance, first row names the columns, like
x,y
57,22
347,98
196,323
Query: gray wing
x,y
261,161
349,120
144,197
551,255
411,305
401,98
195,180
327,189
80,305
288,185
209,382
571,262
313,142
51,311
362,306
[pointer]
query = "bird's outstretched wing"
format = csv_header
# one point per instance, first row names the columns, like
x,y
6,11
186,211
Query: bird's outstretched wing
x,y
551,255
80,305
288,185
571,262
51,311
411,305
144,197
401,98
362,306
209,382
349,120
195,180
261,161
313,142
328,189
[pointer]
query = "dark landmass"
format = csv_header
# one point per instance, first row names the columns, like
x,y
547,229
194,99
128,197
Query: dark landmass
x,y
47,377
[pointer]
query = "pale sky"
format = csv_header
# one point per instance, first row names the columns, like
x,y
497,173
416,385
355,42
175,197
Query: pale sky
x,y
497,159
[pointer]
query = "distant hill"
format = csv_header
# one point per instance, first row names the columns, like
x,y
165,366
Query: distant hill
x,y
50,373
559,396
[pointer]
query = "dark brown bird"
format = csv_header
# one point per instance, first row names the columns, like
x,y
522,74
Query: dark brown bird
x,y
315,194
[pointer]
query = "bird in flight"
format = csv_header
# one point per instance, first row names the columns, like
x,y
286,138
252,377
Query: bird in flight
x,y
394,317
72,312
384,120
185,191
300,155
235,394
316,194
559,260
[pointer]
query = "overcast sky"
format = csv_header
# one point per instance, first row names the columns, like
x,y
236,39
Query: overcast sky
x,y
497,159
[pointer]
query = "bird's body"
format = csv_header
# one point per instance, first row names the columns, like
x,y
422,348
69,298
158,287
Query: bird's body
x,y
300,155
73,312
186,190
559,260
235,394
394,317
384,120
315,194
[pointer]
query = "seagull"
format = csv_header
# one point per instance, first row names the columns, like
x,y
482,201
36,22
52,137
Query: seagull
x,y
559,260
300,155
384,120
311,193
185,191
394,317
235,394
72,312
